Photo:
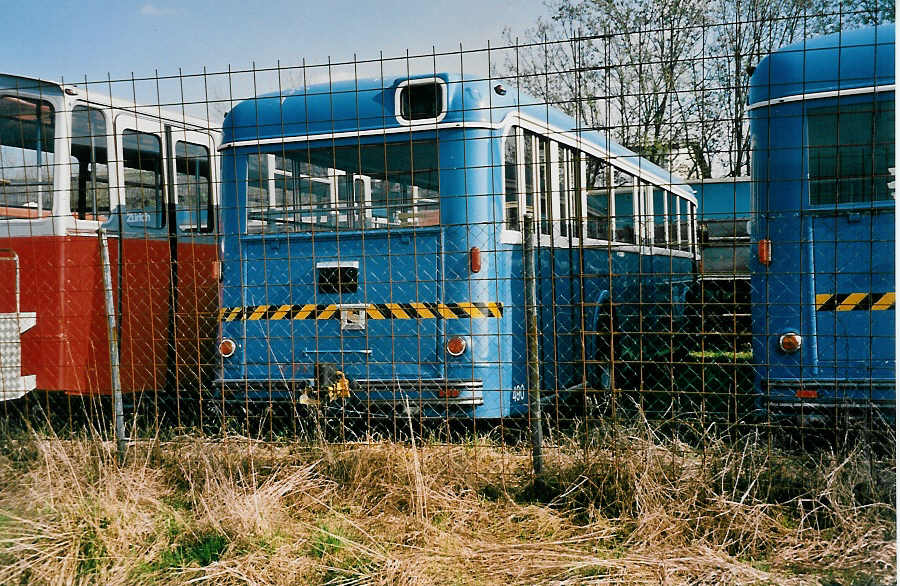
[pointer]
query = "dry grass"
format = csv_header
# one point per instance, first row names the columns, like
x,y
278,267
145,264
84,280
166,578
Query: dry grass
x,y
618,506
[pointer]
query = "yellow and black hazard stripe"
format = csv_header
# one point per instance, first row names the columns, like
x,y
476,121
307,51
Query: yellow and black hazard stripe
x,y
415,310
854,301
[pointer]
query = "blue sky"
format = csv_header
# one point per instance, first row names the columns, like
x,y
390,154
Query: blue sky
x,y
71,40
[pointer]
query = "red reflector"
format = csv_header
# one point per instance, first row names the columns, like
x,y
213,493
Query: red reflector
x,y
475,259
790,342
448,393
456,346
227,347
806,394
764,251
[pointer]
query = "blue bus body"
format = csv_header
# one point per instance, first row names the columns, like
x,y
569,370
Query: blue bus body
x,y
351,238
822,126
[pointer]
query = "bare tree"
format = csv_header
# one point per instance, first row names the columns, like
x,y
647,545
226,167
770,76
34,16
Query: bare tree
x,y
669,78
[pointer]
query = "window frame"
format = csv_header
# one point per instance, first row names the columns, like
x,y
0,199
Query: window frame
x,y
210,225
328,219
80,214
139,126
642,194
60,176
398,90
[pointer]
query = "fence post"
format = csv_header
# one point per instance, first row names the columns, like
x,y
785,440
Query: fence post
x,y
113,345
531,336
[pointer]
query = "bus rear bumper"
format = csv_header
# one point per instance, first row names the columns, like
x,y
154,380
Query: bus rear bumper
x,y
825,398
416,393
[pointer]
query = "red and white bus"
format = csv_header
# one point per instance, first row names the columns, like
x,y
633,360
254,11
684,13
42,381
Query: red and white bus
x,y
73,161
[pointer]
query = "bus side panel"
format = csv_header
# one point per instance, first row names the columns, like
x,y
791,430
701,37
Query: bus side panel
x,y
515,389
559,315
61,282
625,293
777,289
198,301
497,340
145,311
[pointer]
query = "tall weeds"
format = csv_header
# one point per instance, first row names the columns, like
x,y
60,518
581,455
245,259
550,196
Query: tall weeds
x,y
617,505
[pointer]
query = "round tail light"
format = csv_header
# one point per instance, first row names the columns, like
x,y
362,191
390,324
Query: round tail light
x,y
790,342
456,346
227,347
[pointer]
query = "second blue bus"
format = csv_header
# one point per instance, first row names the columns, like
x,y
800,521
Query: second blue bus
x,y
822,125
373,249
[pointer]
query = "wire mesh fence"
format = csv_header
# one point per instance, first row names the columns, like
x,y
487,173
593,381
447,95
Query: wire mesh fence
x,y
553,231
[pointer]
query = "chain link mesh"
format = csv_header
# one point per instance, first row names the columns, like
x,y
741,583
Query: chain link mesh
x,y
342,269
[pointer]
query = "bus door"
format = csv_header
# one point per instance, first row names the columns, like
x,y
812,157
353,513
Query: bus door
x,y
143,257
194,272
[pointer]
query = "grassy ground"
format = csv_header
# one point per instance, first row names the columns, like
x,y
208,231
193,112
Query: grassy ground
x,y
620,505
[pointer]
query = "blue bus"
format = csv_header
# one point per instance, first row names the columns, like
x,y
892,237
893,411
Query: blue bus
x,y
373,249
822,125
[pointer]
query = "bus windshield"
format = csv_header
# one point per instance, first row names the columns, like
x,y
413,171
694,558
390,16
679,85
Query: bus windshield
x,y
357,187
26,157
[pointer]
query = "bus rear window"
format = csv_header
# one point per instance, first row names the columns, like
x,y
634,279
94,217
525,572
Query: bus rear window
x,y
359,187
851,150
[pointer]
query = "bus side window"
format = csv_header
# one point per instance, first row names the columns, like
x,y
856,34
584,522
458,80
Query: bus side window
x,y
543,182
659,217
511,181
89,198
142,153
624,207
528,164
598,205
673,221
26,157
193,181
684,225
693,229
645,193
567,169
260,178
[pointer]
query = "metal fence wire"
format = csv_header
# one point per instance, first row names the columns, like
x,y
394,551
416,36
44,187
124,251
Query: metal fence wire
x,y
686,218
